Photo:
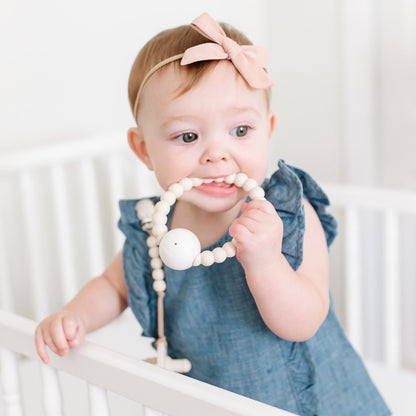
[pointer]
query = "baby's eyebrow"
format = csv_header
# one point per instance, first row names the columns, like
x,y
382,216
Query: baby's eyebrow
x,y
245,109
181,117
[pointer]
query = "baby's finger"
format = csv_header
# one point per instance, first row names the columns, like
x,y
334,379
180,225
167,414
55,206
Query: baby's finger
x,y
262,205
73,331
40,345
70,327
58,337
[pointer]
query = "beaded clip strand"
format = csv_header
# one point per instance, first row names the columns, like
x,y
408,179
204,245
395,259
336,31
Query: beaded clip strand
x,y
180,249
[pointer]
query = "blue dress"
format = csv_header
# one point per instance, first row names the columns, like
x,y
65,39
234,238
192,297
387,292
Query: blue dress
x,y
211,319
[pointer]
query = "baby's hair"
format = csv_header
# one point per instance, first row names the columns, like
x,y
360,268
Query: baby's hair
x,y
173,42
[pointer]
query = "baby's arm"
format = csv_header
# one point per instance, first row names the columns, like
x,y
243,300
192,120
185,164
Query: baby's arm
x,y
292,304
101,300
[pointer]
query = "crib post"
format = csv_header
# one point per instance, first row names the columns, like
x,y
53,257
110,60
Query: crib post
x,y
392,333
98,402
52,398
9,381
63,229
353,278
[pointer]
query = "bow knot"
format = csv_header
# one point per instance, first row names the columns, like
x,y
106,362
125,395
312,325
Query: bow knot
x,y
250,61
231,47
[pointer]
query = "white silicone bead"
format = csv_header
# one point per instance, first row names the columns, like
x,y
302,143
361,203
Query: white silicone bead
x,y
176,189
159,230
151,241
156,263
229,249
240,178
178,248
168,197
249,184
144,209
154,252
162,206
197,260
159,285
207,258
230,179
219,255
196,181
257,193
158,274
186,184
159,218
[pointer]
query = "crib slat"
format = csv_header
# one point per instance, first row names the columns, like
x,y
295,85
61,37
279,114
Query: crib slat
x,y
6,299
63,231
116,189
353,278
51,389
33,231
9,381
98,402
92,215
392,318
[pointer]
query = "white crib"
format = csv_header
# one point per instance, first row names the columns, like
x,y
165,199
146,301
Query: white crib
x,y
58,229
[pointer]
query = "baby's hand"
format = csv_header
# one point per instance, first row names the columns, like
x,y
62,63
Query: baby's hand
x,y
258,233
60,332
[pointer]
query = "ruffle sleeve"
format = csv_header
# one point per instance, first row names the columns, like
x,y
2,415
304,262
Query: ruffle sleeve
x,y
285,190
137,272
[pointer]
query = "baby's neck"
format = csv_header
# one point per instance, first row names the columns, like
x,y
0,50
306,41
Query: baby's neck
x,y
207,226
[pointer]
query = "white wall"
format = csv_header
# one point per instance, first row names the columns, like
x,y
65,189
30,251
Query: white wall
x,y
345,92
64,65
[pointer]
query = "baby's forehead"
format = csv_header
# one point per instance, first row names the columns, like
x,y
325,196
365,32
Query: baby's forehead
x,y
174,81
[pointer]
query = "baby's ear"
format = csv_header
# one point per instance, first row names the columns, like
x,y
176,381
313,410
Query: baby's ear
x,y
138,145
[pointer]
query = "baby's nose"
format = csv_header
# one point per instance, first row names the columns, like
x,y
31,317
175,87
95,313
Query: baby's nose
x,y
215,154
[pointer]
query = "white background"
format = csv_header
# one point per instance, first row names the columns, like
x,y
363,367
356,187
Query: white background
x,y
345,93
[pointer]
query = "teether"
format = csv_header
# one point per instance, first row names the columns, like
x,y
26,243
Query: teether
x,y
180,249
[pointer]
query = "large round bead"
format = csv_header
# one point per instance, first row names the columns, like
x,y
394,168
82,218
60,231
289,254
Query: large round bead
x,y
178,248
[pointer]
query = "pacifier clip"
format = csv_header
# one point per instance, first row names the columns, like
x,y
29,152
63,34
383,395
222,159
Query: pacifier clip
x,y
180,249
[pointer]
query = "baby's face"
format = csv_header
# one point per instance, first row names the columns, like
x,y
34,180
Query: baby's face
x,y
221,126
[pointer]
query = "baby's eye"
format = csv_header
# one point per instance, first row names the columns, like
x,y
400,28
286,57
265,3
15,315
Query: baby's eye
x,y
239,131
188,137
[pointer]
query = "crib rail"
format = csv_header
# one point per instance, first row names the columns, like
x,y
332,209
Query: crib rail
x,y
104,370
391,205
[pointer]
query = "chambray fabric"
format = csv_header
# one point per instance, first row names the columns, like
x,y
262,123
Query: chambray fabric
x,y
211,319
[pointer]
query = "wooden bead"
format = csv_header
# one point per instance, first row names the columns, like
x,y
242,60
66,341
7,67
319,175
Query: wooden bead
x,y
240,178
176,189
159,218
168,197
186,184
229,249
159,285
249,184
197,260
219,255
154,252
159,230
156,263
158,274
196,181
207,258
162,206
230,179
257,193
151,241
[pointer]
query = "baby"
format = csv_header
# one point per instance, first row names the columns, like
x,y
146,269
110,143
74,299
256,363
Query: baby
x,y
262,323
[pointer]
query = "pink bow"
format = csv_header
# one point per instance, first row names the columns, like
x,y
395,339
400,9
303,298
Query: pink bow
x,y
249,60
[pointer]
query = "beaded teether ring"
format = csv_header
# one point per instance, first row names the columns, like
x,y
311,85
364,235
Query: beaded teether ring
x,y
180,249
